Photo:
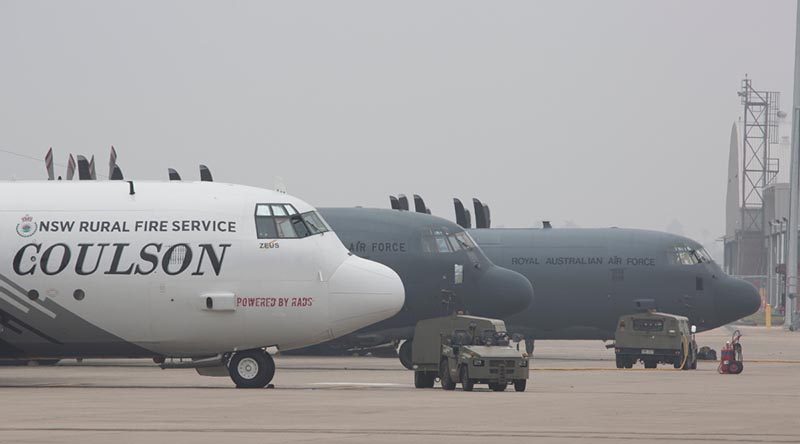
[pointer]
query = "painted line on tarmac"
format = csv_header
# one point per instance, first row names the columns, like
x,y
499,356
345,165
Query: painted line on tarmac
x,y
360,384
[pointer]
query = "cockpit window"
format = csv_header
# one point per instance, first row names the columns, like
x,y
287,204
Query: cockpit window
x,y
283,221
440,241
688,255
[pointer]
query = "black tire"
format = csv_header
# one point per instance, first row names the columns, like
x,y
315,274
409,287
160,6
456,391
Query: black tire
x,y
650,364
694,363
520,384
251,368
405,354
629,363
444,376
424,380
735,367
620,362
497,387
466,384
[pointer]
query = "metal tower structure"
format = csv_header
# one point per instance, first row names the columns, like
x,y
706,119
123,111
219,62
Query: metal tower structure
x,y
759,130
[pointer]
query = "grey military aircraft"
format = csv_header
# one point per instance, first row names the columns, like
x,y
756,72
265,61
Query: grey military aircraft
x,y
584,279
441,268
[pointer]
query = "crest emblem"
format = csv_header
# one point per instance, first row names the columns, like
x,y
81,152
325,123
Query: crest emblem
x,y
26,227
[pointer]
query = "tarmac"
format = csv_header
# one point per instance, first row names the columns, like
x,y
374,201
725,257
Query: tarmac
x,y
575,394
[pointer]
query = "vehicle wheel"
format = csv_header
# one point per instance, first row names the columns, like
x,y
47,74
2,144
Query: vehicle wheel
x,y
650,364
405,354
620,361
466,383
444,376
629,363
424,380
520,384
694,363
735,367
497,387
251,368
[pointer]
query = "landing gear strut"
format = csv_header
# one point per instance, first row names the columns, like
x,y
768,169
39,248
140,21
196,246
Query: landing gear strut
x,y
251,368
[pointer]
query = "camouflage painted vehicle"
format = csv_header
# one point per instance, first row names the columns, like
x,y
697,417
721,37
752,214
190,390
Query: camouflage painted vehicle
x,y
466,349
655,338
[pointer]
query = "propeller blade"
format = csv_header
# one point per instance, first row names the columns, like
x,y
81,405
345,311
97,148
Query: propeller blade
x,y
419,205
394,203
92,170
461,217
116,174
173,175
71,168
205,174
403,200
83,168
112,162
480,214
48,163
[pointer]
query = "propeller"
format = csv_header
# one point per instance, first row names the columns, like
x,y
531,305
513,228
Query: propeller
x,y
48,163
92,170
461,215
116,173
403,200
112,163
173,174
419,205
205,174
83,168
482,214
71,167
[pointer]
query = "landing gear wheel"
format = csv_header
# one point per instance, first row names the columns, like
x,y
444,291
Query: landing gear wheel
x,y
444,376
519,385
405,354
424,380
251,368
650,364
466,384
497,387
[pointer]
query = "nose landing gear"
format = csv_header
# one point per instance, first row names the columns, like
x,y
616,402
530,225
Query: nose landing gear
x,y
251,368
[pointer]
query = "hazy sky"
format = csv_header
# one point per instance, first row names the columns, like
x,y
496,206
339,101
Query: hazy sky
x,y
597,112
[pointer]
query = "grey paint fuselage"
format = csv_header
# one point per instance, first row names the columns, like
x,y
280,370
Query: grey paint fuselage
x,y
575,275
585,279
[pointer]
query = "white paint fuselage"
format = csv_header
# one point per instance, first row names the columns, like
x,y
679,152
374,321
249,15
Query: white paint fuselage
x,y
175,269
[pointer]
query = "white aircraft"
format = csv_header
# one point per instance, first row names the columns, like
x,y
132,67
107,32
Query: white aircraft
x,y
202,270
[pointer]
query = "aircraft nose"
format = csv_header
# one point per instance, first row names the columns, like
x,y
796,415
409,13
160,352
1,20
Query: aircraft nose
x,y
502,293
735,300
363,292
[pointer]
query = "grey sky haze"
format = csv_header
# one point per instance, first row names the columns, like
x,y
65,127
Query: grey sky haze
x,y
598,112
